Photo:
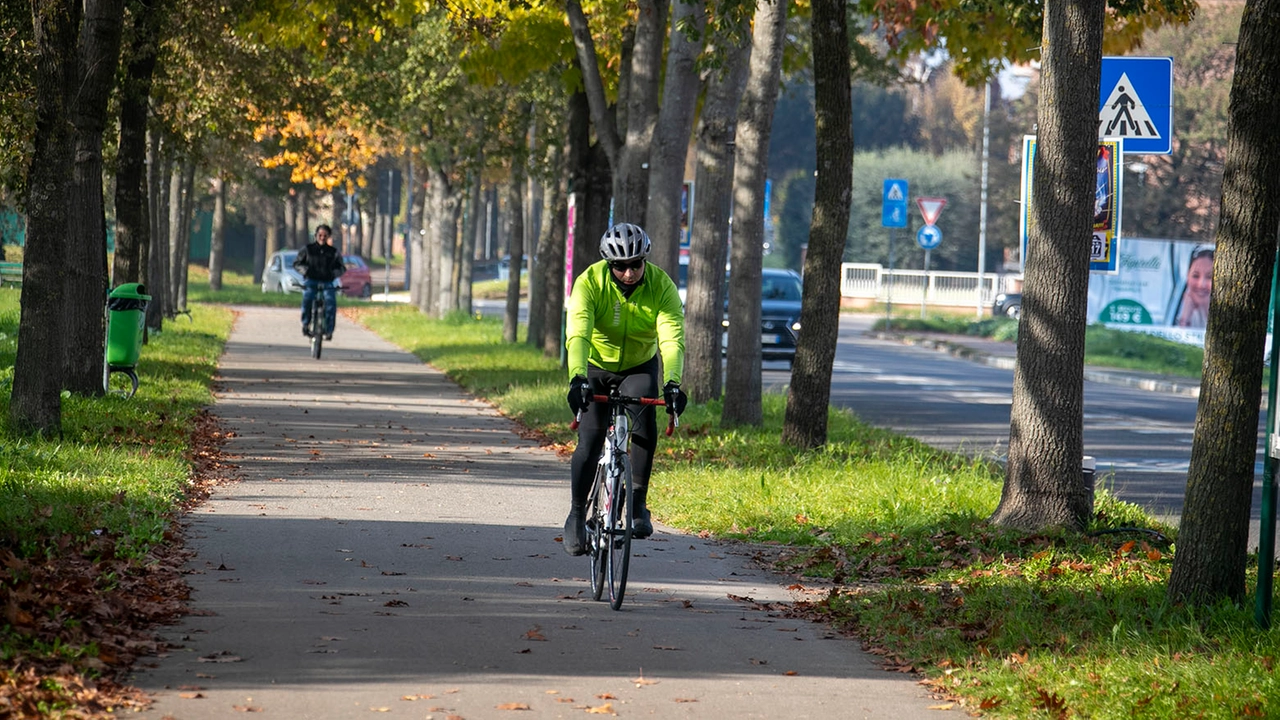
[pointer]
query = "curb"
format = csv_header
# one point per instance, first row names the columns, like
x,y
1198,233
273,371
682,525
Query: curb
x,y
1169,386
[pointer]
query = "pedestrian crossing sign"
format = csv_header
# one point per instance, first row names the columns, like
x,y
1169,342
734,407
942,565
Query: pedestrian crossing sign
x,y
1136,103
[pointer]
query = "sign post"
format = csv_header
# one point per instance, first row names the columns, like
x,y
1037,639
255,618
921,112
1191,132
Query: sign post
x,y
893,214
1267,527
928,237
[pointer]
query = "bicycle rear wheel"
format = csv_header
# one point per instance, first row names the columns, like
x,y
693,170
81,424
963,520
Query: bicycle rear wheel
x,y
598,534
620,533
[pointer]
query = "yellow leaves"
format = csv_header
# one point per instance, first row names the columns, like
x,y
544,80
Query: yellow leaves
x,y
323,153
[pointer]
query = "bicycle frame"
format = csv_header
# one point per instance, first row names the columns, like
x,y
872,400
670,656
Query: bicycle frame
x,y
610,502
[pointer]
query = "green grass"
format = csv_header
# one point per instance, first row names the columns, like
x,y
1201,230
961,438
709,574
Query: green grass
x,y
1011,626
1103,346
120,467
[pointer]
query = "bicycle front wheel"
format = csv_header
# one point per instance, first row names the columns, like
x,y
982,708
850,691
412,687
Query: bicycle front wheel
x,y
620,532
317,329
598,533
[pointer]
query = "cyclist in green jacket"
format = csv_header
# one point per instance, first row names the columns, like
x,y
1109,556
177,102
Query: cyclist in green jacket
x,y
625,327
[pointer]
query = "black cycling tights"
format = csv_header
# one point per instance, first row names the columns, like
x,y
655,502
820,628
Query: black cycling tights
x,y
639,381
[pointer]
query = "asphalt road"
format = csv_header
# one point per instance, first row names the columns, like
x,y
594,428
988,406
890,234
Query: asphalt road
x,y
1141,439
393,547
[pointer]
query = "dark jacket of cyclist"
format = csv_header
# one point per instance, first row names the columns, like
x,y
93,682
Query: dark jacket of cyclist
x,y
625,326
320,264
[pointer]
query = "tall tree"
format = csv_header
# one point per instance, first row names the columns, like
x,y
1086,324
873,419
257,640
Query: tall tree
x,y
809,395
625,135
133,236
36,399
709,227
1044,485
1214,533
86,281
671,136
750,168
515,248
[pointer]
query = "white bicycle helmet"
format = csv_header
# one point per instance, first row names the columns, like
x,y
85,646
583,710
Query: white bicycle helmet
x,y
624,241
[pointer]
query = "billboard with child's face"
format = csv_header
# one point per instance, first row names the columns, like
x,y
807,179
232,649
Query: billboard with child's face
x,y
1161,287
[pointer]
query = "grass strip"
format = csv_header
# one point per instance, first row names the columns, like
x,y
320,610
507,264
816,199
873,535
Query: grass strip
x,y
888,540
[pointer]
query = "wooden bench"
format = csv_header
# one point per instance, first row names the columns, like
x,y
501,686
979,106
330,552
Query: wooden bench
x,y
11,273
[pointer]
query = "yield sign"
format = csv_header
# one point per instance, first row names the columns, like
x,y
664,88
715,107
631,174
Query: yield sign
x,y
931,208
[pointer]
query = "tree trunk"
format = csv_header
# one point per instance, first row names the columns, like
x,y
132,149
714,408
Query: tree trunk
x,y
590,180
35,404
443,244
537,327
84,302
218,234
182,256
709,230
291,219
671,136
750,167
259,218
471,228
1214,533
515,250
553,271
627,151
133,231
810,391
1044,486
157,267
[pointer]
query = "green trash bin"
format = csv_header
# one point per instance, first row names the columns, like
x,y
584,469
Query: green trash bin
x,y
126,315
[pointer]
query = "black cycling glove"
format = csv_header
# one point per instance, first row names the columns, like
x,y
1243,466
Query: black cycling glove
x,y
579,394
675,398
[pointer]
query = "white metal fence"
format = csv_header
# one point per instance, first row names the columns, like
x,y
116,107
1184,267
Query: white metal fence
x,y
871,282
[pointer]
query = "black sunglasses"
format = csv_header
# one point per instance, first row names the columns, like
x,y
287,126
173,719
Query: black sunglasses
x,y
625,265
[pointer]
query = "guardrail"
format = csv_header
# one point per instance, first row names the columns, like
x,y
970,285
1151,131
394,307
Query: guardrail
x,y
11,273
872,282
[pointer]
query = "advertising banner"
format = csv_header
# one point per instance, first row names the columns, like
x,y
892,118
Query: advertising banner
x,y
1106,204
1161,288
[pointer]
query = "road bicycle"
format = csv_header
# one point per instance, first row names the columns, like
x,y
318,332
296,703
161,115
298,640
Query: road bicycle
x,y
317,324
609,505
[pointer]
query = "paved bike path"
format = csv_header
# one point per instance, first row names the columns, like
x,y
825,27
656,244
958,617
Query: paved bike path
x,y
392,549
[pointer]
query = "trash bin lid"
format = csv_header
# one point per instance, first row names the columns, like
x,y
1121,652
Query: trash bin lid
x,y
131,291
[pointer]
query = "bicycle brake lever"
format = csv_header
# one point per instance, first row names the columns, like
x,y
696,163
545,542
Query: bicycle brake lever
x,y
574,425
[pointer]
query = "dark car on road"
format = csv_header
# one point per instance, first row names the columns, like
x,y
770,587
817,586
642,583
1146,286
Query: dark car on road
x,y
1007,305
780,300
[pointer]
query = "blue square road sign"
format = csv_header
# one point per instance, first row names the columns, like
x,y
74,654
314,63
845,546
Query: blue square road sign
x,y
1135,102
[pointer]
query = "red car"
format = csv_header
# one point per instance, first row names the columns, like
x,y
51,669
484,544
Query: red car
x,y
357,281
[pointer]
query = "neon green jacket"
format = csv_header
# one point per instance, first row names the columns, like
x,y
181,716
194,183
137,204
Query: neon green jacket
x,y
615,333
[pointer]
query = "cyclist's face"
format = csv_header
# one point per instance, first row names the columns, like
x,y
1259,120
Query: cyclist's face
x,y
628,272
322,237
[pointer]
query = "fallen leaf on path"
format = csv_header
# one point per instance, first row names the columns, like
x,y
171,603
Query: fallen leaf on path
x,y
419,696
191,696
605,709
606,696
380,709
220,657
945,706
536,634
642,680
513,706
686,700
246,708
665,647
791,672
